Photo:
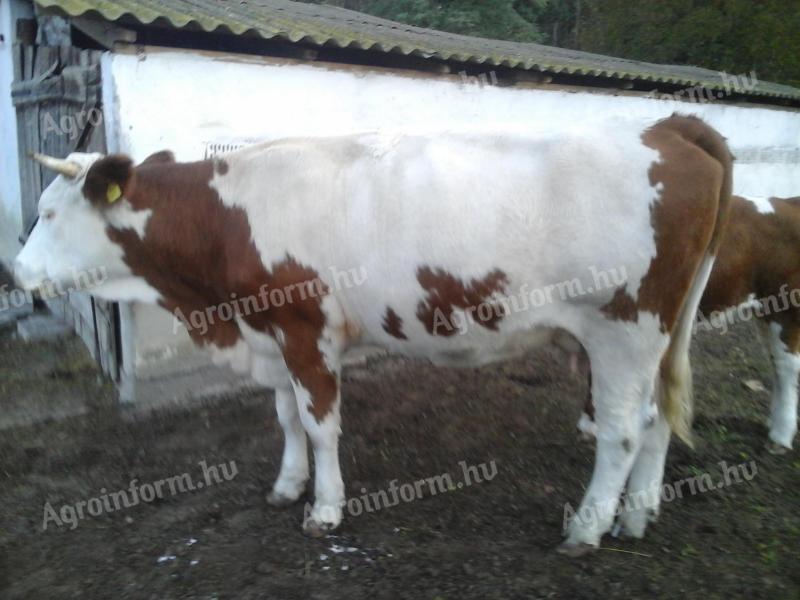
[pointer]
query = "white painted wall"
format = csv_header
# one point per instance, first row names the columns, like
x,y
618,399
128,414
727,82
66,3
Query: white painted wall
x,y
181,101
10,202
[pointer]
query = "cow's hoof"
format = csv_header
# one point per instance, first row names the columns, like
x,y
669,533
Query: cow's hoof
x,y
317,529
279,500
628,529
575,550
633,523
776,448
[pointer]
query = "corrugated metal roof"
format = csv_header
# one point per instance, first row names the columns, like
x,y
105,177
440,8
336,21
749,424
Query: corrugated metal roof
x,y
321,25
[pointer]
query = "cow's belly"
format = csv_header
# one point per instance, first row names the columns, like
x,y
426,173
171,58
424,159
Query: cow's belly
x,y
462,338
505,348
259,355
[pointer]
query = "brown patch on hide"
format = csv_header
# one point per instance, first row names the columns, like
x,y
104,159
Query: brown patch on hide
x,y
445,293
393,324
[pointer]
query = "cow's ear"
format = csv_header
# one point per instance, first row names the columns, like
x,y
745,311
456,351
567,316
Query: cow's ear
x,y
108,180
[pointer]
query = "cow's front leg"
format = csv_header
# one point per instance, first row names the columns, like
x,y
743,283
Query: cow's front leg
x,y
324,430
293,476
314,361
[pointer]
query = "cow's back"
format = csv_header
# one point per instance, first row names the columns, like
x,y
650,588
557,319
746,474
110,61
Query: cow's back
x,y
758,255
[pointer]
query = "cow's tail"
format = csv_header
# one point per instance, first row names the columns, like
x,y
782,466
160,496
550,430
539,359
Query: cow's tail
x,y
676,371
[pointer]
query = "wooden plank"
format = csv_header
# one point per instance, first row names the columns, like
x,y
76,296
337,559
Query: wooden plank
x,y
58,306
96,141
51,112
26,31
48,113
106,313
85,330
82,304
18,58
30,54
45,62
30,172
105,325
84,320
27,170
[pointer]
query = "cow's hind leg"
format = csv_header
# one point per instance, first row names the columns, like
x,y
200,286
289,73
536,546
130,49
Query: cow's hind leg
x,y
623,377
785,354
293,476
643,495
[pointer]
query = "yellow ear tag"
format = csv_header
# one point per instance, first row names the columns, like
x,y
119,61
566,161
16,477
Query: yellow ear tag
x,y
113,193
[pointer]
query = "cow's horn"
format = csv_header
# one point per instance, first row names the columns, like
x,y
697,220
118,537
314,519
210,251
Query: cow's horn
x,y
66,167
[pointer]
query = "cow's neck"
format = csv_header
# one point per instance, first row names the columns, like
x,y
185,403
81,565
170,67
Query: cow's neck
x,y
195,251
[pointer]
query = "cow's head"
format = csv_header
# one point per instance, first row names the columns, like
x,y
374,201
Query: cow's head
x,y
71,237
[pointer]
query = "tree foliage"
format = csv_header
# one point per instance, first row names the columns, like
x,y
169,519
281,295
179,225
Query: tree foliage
x,y
736,36
498,19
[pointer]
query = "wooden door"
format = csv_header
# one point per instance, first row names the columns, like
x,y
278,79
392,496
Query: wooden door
x,y
58,100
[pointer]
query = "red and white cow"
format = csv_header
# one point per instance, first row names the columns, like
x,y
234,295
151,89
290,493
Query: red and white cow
x,y
757,266
440,224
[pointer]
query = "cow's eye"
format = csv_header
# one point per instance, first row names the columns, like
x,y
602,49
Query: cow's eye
x,y
48,215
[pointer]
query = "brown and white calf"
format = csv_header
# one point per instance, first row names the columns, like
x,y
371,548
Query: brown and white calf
x,y
449,229
758,266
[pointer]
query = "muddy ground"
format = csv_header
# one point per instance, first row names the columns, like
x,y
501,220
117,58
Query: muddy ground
x,y
403,421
